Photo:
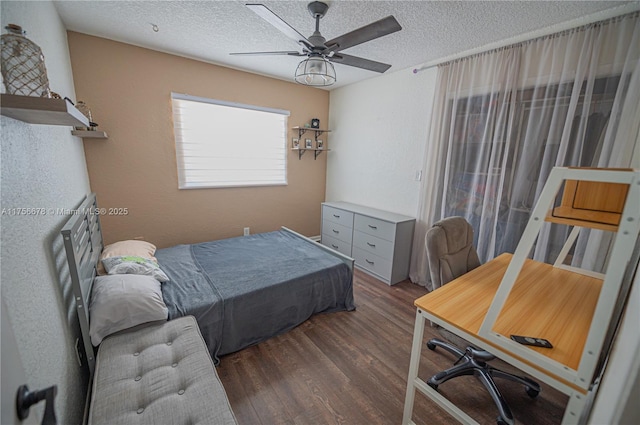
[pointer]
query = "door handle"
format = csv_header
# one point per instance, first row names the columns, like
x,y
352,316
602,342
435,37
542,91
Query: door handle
x,y
25,399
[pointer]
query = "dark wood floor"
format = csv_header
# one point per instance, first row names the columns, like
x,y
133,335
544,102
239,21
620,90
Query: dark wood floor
x,y
351,368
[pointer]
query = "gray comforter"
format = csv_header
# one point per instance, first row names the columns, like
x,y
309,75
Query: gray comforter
x,y
244,290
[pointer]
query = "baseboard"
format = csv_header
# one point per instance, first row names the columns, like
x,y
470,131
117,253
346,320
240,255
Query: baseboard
x,y
315,238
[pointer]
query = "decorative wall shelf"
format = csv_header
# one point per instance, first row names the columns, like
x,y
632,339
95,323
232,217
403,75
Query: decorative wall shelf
x,y
317,131
41,110
316,152
85,134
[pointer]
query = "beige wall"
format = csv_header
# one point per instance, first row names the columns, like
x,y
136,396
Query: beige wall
x,y
129,89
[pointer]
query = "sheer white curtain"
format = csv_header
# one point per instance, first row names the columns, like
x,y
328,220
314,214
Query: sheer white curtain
x,y
503,119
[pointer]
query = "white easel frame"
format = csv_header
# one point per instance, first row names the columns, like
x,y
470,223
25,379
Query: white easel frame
x,y
620,255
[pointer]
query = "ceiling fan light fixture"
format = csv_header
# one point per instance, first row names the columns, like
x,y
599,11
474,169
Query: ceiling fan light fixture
x,y
315,71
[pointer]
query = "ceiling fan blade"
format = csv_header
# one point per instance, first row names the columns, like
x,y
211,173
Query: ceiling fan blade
x,y
359,62
290,53
266,14
372,31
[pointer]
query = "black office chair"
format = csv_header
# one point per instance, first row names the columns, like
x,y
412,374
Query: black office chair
x,y
450,253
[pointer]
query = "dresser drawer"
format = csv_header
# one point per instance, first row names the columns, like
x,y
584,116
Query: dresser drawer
x,y
338,245
337,231
335,215
373,244
375,227
379,241
372,262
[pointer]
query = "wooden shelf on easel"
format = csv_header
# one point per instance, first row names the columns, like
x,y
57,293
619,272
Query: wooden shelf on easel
x,y
41,110
597,205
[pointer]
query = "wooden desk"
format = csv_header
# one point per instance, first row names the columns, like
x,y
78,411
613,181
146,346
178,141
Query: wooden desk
x,y
576,309
546,302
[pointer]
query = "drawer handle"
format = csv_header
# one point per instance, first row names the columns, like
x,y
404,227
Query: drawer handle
x,y
373,227
335,231
336,216
334,246
372,245
370,262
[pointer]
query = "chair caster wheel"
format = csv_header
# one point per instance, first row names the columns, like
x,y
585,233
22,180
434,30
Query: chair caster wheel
x,y
431,346
432,385
532,392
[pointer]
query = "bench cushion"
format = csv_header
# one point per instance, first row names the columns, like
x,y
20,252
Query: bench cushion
x,y
158,374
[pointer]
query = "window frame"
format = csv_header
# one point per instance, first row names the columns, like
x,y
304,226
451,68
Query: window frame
x,y
181,167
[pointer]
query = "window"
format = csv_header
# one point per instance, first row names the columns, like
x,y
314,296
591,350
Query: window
x,y
223,144
498,178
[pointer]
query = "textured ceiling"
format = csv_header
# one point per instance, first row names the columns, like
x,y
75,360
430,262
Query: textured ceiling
x,y
210,30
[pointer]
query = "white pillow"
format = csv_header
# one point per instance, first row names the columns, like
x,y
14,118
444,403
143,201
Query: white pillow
x,y
122,301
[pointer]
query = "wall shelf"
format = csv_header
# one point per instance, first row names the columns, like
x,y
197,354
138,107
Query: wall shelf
x,y
41,110
92,134
317,131
316,152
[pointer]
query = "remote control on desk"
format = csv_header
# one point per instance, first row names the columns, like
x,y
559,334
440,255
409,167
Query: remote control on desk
x,y
533,341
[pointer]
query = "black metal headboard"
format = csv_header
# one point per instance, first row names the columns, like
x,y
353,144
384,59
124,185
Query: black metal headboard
x,y
83,244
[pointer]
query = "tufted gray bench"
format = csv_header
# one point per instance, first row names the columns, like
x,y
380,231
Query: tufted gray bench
x,y
158,374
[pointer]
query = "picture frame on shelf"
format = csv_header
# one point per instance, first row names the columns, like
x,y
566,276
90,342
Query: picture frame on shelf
x,y
296,143
319,144
308,144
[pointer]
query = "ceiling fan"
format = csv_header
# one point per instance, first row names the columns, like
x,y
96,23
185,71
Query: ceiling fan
x,y
317,69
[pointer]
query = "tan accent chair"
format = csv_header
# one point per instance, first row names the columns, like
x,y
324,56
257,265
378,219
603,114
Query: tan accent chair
x,y
450,250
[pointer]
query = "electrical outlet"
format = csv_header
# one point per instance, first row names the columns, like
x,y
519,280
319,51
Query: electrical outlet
x,y
246,231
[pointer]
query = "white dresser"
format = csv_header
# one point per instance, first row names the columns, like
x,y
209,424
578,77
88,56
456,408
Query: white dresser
x,y
379,241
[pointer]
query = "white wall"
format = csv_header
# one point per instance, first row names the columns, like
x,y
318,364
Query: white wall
x,y
379,133
42,167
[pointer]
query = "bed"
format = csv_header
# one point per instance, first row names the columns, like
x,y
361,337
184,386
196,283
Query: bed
x,y
244,290
241,290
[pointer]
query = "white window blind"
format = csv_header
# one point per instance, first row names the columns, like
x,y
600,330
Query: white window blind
x,y
223,144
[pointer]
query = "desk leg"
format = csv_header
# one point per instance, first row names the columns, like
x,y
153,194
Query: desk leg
x,y
573,411
414,364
